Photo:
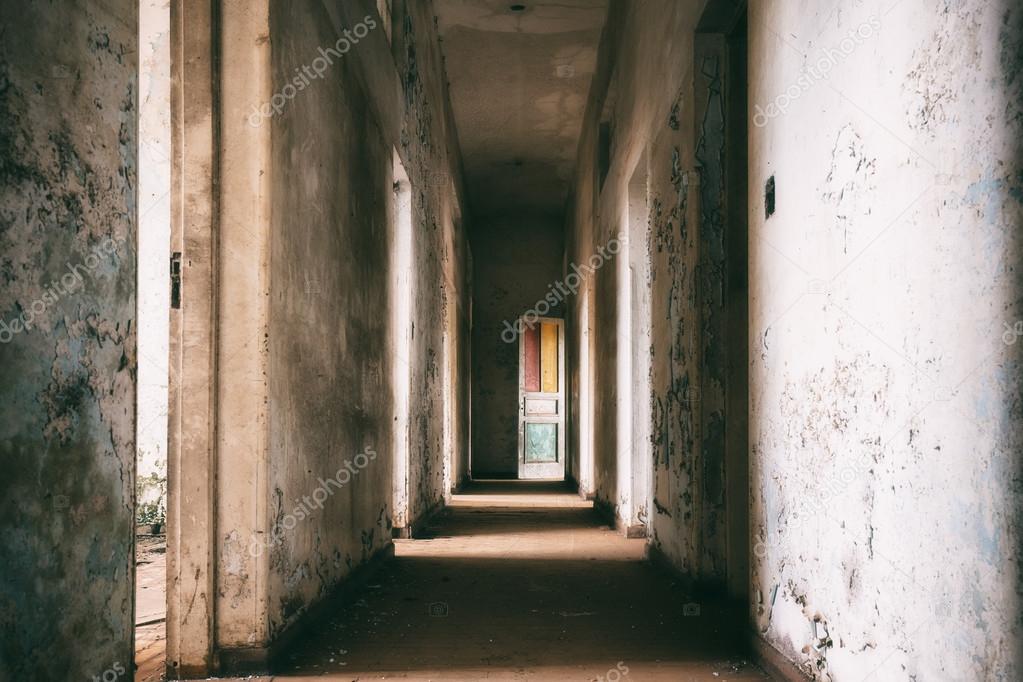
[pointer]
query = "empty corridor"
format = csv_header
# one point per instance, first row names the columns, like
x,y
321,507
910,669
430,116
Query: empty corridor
x,y
516,581
305,306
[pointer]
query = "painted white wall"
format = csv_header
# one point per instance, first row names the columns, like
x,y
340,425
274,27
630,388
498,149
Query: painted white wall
x,y
154,247
885,417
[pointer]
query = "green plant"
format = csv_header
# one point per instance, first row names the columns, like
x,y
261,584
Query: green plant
x,y
151,486
150,513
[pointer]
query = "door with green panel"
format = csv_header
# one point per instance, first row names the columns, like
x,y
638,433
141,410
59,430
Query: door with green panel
x,y
542,399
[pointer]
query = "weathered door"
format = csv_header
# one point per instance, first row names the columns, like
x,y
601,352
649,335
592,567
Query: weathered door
x,y
542,399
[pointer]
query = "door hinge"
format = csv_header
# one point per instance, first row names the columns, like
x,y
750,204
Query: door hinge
x,y
175,279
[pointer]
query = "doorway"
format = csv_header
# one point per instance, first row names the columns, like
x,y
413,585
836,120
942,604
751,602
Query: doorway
x,y
736,309
401,295
154,301
542,399
721,108
635,356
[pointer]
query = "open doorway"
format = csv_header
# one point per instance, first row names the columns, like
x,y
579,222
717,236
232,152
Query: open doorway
x,y
153,339
518,278
723,397
401,295
736,303
635,379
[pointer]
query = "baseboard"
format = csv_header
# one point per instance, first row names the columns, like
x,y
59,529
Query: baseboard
x,y
264,660
774,662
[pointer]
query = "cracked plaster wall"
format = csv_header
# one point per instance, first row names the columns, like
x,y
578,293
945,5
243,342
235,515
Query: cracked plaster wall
x,y
646,46
885,405
68,98
330,346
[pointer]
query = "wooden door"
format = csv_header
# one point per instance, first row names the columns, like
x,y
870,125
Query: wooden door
x,y
542,399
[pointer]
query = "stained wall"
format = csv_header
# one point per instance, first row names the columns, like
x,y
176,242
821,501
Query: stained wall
x,y
330,253
637,122
68,184
515,262
885,291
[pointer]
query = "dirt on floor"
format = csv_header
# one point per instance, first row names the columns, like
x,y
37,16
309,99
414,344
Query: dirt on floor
x,y
520,581
150,607
516,582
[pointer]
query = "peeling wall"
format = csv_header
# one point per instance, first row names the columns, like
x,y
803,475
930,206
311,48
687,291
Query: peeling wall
x,y
329,391
440,339
645,47
515,261
330,346
709,109
68,105
885,396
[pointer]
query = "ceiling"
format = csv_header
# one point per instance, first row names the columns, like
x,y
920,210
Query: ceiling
x,y
519,81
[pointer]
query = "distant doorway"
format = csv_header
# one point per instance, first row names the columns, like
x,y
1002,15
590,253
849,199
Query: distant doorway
x,y
542,399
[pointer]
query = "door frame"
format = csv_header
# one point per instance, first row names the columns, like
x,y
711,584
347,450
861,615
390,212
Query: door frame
x,y
545,470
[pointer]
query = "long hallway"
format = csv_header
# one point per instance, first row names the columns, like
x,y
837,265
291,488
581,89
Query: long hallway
x,y
483,339
518,581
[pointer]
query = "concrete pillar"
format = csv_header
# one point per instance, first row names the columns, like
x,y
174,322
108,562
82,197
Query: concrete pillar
x,y
243,290
217,555
191,512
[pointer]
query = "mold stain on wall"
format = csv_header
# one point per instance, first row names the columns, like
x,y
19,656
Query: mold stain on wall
x,y
329,392
67,340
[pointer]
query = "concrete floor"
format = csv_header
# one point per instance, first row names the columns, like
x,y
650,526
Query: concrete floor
x,y
150,607
523,581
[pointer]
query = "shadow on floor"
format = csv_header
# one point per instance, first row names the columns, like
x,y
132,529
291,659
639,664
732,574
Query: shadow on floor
x,y
543,592
492,487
